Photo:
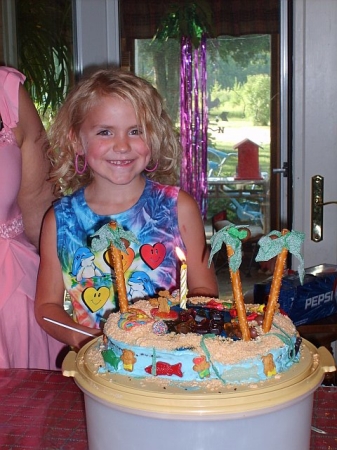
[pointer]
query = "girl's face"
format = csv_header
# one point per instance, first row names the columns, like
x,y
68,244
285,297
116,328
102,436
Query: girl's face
x,y
112,142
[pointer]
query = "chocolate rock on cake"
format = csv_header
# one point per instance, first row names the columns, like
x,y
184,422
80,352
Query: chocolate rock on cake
x,y
208,338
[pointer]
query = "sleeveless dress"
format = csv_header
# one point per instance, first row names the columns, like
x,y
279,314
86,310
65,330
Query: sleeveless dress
x,y
150,264
23,343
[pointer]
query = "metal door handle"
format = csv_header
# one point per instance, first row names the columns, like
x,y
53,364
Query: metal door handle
x,y
317,203
283,169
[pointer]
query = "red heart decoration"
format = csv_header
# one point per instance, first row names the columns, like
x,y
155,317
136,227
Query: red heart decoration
x,y
153,255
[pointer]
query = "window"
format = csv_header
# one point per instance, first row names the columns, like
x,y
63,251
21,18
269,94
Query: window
x,y
239,92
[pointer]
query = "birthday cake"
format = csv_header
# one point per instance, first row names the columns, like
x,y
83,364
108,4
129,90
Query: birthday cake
x,y
198,344
201,339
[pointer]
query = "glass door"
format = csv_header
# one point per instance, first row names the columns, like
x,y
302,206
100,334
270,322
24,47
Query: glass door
x,y
246,88
239,118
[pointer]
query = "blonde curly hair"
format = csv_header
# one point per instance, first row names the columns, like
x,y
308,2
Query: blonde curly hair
x,y
158,131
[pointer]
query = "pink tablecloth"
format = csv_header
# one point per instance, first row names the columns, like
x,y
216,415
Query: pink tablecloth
x,y
43,410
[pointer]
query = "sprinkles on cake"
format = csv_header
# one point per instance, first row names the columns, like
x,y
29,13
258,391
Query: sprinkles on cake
x,y
211,339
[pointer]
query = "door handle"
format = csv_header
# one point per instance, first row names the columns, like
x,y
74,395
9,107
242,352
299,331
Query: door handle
x,y
283,170
317,203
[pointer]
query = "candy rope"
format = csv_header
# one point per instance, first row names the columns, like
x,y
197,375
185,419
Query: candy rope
x,y
208,356
286,339
154,363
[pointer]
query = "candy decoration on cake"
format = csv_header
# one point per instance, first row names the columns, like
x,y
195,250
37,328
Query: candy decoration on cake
x,y
162,307
164,311
133,317
164,368
128,359
232,235
114,237
159,327
203,354
269,365
183,278
279,244
111,358
201,365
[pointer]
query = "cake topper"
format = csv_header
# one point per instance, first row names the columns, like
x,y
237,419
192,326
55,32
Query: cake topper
x,y
232,235
278,244
115,238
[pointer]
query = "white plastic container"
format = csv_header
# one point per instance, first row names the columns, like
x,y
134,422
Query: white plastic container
x,y
127,414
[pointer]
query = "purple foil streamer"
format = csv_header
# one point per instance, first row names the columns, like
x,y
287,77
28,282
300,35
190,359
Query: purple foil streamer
x,y
204,127
194,121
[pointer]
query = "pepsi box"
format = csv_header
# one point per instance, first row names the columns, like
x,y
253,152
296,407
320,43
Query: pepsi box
x,y
304,303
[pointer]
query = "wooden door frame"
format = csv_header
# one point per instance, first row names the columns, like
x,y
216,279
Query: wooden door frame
x,y
275,124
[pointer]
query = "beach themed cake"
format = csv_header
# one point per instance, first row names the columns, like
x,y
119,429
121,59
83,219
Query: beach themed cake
x,y
194,340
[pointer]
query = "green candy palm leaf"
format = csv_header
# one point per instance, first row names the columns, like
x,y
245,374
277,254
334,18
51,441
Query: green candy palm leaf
x,y
271,247
231,235
107,235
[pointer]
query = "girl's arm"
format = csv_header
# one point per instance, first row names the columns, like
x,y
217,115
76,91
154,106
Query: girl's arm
x,y
201,279
50,291
35,195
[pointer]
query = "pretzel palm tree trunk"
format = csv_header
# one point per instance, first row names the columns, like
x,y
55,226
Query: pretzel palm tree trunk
x,y
275,288
117,261
238,298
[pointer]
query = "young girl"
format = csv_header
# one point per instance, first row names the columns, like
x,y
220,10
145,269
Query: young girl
x,y
110,140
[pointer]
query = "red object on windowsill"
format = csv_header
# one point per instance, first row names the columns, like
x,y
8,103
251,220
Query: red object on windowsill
x,y
248,167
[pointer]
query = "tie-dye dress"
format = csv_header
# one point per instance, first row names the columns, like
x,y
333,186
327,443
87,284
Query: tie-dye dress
x,y
149,266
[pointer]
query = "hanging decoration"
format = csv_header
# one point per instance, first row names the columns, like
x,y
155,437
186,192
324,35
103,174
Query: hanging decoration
x,y
194,121
190,22
186,18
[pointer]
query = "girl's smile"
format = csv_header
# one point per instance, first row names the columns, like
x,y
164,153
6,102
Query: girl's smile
x,y
113,142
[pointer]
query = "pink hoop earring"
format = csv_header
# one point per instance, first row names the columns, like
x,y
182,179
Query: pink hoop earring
x,y
153,169
80,171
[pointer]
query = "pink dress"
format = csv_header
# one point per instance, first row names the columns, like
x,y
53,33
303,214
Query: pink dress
x,y
23,343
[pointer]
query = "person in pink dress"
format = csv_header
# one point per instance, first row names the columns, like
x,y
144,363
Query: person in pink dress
x,y
25,197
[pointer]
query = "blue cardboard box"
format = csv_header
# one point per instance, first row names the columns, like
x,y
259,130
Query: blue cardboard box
x,y
315,299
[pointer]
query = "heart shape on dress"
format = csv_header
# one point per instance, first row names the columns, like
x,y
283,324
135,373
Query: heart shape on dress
x,y
95,299
153,255
127,258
